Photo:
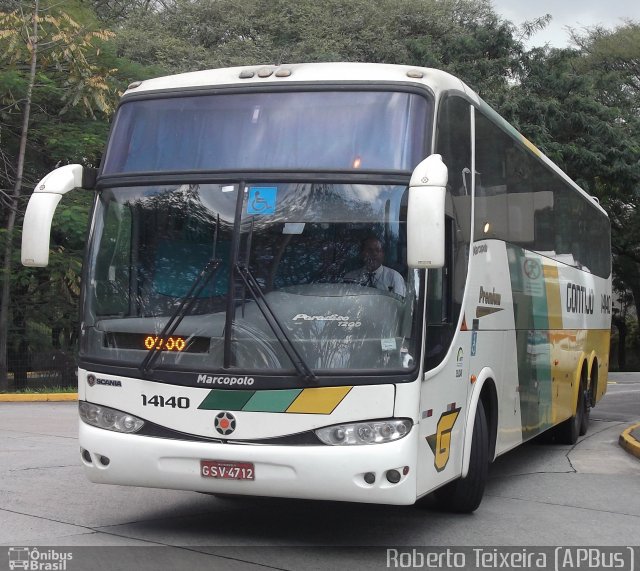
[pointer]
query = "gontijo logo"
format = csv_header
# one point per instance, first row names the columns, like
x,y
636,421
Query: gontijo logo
x,y
579,300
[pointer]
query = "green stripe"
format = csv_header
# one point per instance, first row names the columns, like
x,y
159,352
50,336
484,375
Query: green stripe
x,y
226,400
532,341
271,401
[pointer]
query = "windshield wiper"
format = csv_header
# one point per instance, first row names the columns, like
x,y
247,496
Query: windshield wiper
x,y
301,366
204,277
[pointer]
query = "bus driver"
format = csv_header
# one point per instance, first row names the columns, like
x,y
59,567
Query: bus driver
x,y
373,273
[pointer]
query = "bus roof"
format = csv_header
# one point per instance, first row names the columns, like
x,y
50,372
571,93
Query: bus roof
x,y
305,72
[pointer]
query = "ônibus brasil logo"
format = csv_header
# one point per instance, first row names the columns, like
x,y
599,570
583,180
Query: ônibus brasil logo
x,y
38,560
225,423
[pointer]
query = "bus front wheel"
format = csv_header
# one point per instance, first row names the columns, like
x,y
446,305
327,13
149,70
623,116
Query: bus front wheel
x,y
465,494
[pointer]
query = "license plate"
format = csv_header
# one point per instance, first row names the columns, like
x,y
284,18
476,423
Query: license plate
x,y
225,470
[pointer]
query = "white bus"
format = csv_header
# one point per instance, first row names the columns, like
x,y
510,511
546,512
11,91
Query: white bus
x,y
330,281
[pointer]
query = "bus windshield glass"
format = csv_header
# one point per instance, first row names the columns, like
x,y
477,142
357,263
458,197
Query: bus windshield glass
x,y
321,130
328,259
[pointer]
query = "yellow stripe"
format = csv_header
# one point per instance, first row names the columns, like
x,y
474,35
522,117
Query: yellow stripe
x,y
527,143
38,397
554,303
322,400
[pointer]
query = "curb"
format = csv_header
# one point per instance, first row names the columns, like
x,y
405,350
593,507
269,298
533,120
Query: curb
x,y
39,397
628,441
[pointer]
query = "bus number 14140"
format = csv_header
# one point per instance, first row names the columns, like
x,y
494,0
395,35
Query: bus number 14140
x,y
159,400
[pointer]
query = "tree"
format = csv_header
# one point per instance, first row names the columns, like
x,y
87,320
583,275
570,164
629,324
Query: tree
x,y
113,12
60,54
32,46
465,37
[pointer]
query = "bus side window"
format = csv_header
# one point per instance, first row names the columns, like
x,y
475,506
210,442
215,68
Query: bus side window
x,y
454,144
445,287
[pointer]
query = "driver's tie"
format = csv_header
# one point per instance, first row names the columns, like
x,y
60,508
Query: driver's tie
x,y
370,279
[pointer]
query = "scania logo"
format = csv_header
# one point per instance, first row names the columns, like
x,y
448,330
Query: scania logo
x,y
92,381
225,423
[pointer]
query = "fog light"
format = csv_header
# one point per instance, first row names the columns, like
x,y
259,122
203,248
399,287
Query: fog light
x,y
339,434
104,461
86,456
370,478
393,476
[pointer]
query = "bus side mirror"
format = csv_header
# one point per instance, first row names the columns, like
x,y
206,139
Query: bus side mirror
x,y
425,214
42,205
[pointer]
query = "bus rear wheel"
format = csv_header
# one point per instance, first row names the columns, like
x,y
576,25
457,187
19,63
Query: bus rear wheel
x,y
589,398
586,411
569,431
465,494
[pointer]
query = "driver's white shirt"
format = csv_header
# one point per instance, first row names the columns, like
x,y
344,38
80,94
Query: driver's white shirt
x,y
383,278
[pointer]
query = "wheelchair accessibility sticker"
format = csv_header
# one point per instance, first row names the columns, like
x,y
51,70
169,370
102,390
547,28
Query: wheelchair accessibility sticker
x,y
262,200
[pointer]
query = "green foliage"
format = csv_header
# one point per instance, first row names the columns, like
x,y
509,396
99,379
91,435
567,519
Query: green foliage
x,y
464,37
46,390
68,50
72,85
557,106
45,300
74,91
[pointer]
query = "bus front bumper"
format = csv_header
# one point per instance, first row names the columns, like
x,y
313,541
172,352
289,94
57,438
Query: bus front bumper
x,y
308,472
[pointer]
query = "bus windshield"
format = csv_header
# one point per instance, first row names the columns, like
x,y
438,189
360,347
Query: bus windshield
x,y
329,260
326,130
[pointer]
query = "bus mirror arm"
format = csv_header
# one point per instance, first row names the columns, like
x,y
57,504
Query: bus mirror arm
x,y
425,214
36,228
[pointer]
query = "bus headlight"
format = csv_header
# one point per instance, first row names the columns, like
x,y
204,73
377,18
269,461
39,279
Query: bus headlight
x,y
108,418
373,432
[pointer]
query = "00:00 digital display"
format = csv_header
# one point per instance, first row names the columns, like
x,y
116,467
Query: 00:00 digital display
x,y
168,344
151,342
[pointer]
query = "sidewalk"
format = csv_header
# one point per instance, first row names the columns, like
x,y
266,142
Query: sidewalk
x,y
38,397
630,440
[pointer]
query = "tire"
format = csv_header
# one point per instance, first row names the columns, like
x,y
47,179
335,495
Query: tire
x,y
586,410
589,398
465,494
569,431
